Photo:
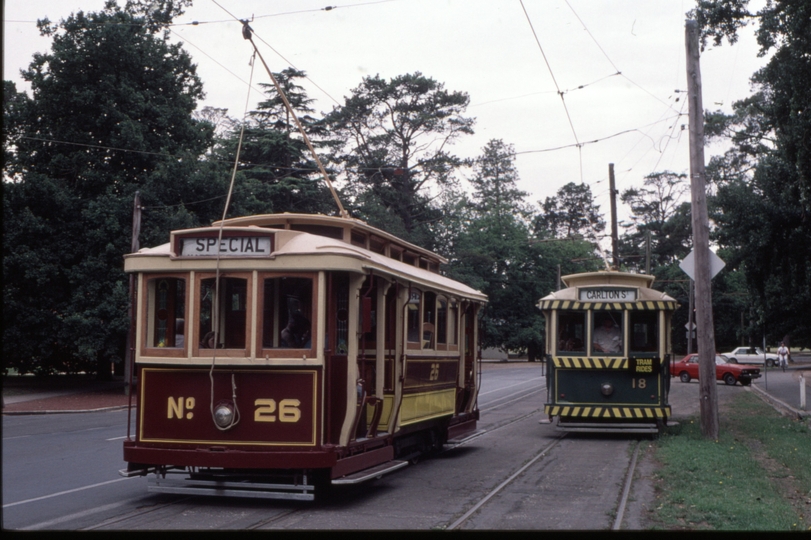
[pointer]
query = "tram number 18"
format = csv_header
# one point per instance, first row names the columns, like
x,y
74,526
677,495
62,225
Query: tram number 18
x,y
639,383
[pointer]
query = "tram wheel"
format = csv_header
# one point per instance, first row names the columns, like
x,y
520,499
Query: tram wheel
x,y
729,379
684,376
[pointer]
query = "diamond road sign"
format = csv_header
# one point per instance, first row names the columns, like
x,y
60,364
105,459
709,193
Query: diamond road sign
x,y
689,263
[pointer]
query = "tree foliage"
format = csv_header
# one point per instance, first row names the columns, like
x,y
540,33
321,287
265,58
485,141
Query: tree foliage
x,y
764,181
392,140
110,114
571,213
497,253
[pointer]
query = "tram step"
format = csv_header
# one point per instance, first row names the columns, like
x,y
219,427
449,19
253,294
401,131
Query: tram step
x,y
256,490
585,427
466,437
373,472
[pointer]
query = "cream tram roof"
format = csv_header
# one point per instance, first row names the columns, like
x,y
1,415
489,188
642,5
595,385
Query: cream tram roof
x,y
604,290
304,242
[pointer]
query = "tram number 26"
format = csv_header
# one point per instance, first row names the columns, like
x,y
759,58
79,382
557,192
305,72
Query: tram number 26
x,y
267,411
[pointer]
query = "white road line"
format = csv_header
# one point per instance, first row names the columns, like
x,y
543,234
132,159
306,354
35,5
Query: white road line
x,y
66,492
116,438
70,517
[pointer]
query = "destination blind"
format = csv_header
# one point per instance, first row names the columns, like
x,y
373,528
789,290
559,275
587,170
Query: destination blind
x,y
606,294
235,246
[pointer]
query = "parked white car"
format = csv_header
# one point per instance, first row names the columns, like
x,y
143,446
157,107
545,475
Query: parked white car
x,y
752,355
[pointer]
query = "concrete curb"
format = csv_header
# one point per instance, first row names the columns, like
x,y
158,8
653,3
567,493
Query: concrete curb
x,y
102,409
781,406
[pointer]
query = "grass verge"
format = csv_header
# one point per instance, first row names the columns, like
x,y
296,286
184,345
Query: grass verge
x,y
755,477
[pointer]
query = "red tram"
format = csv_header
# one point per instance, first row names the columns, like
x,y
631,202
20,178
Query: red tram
x,y
277,352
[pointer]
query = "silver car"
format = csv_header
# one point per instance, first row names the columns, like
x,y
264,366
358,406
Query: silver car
x,y
752,355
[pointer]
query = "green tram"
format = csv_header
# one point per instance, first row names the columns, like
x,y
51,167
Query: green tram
x,y
608,352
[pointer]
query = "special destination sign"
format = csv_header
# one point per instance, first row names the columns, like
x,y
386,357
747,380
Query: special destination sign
x,y
234,246
606,294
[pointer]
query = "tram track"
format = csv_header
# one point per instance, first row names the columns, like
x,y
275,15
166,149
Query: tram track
x,y
623,494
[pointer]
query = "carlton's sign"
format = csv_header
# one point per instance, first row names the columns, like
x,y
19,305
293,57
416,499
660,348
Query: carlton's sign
x,y
606,294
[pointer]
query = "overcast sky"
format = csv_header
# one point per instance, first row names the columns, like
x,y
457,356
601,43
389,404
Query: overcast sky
x,y
619,64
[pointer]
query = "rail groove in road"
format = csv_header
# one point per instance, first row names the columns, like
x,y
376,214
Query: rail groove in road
x,y
504,484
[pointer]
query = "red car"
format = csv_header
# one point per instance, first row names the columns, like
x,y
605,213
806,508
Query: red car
x,y
686,369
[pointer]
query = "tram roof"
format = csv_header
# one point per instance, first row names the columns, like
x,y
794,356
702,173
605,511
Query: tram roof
x,y
568,298
300,246
288,220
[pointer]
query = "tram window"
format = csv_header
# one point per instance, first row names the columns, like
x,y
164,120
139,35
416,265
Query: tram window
x,y
644,331
371,300
572,331
606,333
358,239
395,253
233,313
409,258
321,230
442,321
428,320
413,329
453,318
287,313
166,312
378,245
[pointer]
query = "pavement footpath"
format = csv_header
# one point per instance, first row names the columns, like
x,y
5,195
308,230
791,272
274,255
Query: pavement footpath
x,y
62,394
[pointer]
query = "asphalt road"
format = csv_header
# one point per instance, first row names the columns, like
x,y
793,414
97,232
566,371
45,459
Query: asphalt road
x,y
60,472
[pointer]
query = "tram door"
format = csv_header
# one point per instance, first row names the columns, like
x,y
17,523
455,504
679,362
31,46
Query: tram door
x,y
335,357
468,393
367,356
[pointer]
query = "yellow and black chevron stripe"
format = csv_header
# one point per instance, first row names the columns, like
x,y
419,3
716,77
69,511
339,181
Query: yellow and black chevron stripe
x,y
590,363
669,305
577,411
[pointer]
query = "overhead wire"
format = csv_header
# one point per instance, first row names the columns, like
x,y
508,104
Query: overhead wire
x,y
563,101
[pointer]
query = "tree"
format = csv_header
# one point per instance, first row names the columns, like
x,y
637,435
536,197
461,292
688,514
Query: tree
x,y
571,213
110,114
764,180
495,253
276,170
658,212
392,138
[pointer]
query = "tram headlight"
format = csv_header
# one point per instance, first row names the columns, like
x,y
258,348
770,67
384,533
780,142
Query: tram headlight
x,y
607,389
224,414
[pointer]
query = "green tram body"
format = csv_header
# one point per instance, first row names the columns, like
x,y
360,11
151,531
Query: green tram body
x,y
625,387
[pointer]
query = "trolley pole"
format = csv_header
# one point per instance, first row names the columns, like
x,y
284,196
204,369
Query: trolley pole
x,y
614,240
705,336
128,355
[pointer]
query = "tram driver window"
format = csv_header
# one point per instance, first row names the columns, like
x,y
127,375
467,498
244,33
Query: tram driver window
x,y
572,332
166,309
644,331
232,320
606,334
287,313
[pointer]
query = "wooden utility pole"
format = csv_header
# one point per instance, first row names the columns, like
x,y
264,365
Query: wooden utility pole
x,y
701,240
614,240
134,247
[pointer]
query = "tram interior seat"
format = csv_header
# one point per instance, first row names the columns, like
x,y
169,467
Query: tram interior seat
x,y
428,335
571,344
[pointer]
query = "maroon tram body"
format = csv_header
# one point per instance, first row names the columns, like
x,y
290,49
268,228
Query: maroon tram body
x,y
277,352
